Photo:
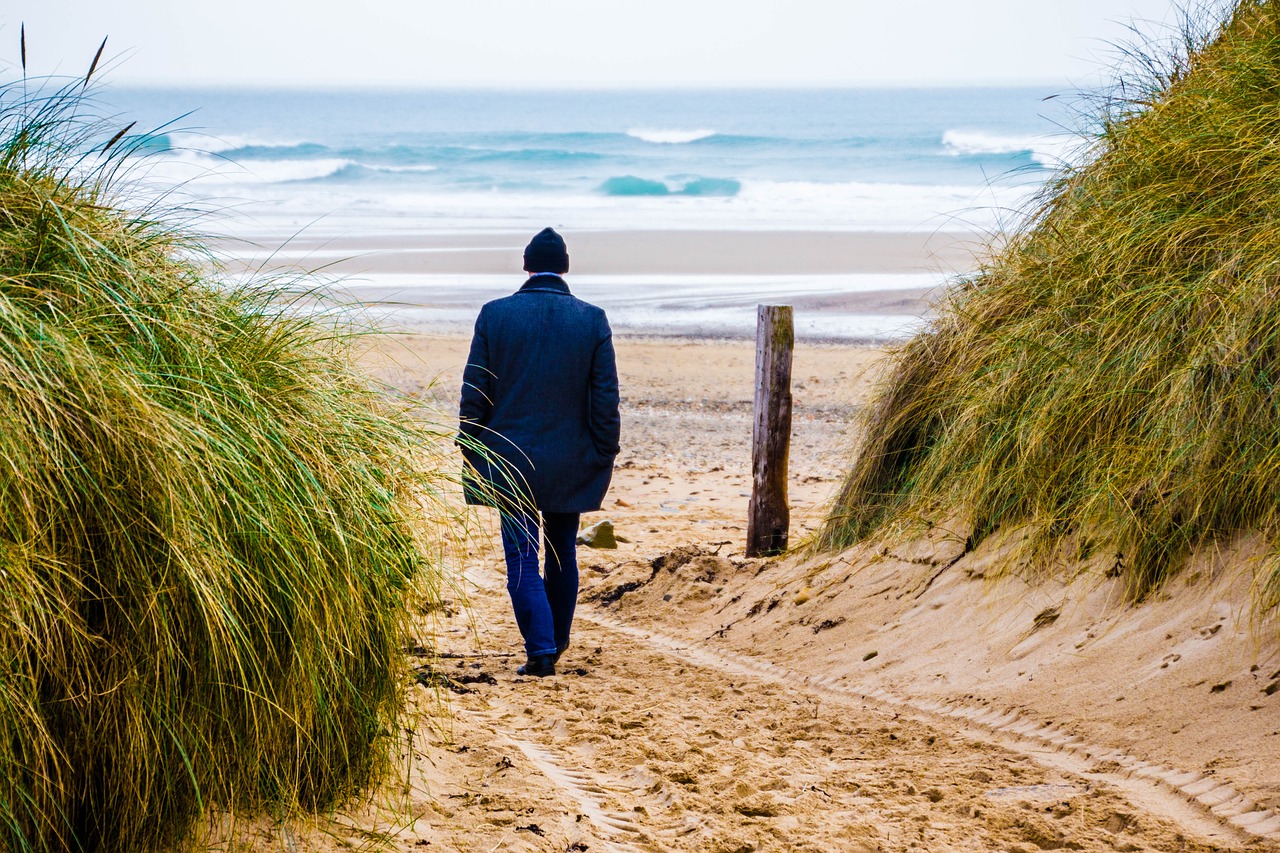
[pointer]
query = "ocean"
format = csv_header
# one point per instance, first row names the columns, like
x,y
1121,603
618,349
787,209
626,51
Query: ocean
x,y
334,165
865,159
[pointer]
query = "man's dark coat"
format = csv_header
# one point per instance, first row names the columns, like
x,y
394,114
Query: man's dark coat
x,y
540,394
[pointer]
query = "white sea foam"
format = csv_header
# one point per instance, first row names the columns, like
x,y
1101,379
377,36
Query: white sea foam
x,y
1043,149
419,169
291,193
669,137
285,171
207,143
766,205
186,166
881,206
181,167
978,142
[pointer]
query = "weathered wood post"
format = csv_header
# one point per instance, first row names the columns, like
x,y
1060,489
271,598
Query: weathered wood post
x,y
769,515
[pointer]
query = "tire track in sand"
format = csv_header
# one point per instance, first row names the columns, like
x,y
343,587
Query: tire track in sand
x,y
588,787
619,831
1200,804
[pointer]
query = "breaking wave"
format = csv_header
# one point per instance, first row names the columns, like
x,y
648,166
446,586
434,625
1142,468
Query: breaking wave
x,y
630,185
669,137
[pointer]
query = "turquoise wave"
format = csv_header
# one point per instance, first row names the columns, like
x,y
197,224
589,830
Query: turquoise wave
x,y
631,185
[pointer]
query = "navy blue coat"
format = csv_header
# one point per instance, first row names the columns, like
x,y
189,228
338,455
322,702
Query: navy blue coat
x,y
540,396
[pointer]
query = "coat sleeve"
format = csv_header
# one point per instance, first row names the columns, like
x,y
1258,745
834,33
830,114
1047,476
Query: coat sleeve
x,y
606,425
477,385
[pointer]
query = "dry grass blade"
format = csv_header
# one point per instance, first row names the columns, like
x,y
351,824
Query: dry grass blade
x,y
93,66
119,135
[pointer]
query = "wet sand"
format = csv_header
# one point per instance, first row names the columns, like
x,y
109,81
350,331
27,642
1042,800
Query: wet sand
x,y
675,252
845,286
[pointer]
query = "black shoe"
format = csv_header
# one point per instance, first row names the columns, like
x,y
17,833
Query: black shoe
x,y
539,666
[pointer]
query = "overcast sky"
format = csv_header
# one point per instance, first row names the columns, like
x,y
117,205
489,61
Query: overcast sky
x,y
577,43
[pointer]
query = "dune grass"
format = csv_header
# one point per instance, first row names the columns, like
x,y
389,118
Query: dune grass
x,y
211,524
1108,383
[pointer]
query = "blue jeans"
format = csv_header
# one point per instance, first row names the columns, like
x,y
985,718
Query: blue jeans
x,y
544,608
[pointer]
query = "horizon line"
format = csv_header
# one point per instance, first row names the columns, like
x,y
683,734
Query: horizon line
x,y
294,86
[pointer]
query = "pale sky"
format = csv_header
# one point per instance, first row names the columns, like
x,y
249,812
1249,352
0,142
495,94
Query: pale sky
x,y
575,43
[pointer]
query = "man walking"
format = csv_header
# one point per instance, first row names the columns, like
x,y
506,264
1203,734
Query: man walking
x,y
540,428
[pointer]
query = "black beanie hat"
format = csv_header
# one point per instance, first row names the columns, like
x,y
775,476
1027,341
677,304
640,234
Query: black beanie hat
x,y
546,253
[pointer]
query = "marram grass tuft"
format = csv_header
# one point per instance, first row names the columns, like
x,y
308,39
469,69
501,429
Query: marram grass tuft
x,y
1113,374
210,523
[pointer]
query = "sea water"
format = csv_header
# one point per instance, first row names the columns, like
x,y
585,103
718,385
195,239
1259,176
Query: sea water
x,y
865,159
351,163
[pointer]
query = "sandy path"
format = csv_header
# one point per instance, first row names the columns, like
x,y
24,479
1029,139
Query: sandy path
x,y
648,742
657,735
667,730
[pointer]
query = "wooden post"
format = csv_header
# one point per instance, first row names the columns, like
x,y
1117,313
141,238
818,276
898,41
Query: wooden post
x,y
769,515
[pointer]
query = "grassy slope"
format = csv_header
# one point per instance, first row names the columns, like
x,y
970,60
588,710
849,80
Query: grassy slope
x,y
210,524
1110,378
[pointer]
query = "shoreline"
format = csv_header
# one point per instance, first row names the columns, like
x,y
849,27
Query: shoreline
x,y
828,309
616,252
846,287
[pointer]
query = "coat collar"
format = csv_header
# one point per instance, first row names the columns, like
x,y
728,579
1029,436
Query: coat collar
x,y
545,284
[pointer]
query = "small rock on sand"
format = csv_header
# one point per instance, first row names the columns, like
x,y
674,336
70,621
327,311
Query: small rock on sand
x,y
598,535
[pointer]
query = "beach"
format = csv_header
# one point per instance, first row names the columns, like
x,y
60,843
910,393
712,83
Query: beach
x,y
864,700
845,286
893,696
625,252
849,701
1029,596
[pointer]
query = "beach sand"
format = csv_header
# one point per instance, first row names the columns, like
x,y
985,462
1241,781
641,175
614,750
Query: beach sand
x,y
617,252
870,700
885,698
845,286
